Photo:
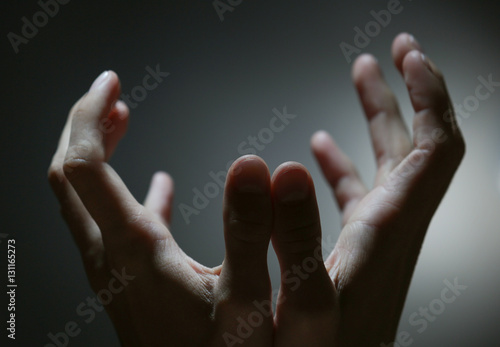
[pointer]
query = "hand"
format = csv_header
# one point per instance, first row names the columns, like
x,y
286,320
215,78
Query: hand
x,y
154,293
166,298
372,263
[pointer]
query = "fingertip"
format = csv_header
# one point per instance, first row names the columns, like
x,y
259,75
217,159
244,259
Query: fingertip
x,y
401,40
106,77
100,81
322,142
113,77
107,84
291,183
401,46
412,61
115,85
287,167
365,65
163,178
417,67
160,195
248,174
120,111
248,157
365,58
320,136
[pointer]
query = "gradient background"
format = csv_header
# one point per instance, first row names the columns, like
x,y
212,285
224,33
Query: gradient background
x,y
226,77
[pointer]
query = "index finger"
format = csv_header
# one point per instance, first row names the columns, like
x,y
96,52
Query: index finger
x,y
99,187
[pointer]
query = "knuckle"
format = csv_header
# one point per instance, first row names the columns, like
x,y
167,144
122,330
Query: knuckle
x,y
79,111
248,231
77,104
73,165
78,157
248,225
55,175
300,238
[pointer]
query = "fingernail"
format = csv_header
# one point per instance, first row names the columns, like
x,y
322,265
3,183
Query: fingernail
x,y
100,80
414,42
293,186
249,176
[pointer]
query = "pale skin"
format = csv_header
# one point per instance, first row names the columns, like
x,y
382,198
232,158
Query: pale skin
x,y
353,298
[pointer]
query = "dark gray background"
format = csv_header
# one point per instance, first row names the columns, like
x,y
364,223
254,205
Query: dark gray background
x,y
226,77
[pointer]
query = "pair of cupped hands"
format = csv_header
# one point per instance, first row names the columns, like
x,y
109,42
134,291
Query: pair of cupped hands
x,y
353,298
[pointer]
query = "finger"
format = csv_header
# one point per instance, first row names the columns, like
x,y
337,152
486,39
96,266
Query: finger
x,y
340,173
115,127
244,278
160,196
402,44
83,228
100,189
434,122
431,85
247,224
390,138
306,290
438,144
